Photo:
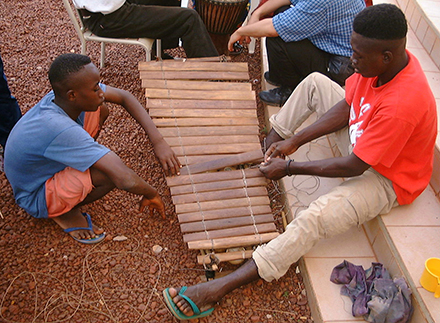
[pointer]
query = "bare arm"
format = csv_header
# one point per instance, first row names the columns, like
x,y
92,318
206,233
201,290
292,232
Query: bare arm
x,y
333,120
126,179
262,28
166,156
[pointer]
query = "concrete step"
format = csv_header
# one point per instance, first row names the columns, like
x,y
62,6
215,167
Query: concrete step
x,y
403,239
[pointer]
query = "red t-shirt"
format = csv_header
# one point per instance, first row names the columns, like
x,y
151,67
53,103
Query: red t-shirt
x,y
393,127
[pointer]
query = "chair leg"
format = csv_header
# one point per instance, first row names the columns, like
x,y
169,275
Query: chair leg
x,y
102,54
83,47
158,48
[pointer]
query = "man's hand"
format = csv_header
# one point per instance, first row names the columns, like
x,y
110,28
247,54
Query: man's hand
x,y
274,168
167,158
155,203
280,149
236,37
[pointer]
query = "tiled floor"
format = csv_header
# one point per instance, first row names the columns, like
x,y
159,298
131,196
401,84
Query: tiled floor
x,y
402,240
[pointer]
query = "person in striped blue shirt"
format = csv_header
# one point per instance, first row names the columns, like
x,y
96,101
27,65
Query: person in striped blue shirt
x,y
302,37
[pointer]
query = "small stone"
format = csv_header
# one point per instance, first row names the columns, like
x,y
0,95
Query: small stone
x,y
120,238
157,249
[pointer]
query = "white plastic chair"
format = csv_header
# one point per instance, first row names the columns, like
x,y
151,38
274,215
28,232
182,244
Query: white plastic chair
x,y
85,35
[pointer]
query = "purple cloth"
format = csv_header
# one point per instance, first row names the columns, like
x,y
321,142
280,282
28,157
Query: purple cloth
x,y
375,296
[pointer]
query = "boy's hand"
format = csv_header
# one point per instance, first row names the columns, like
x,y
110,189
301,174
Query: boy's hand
x,y
167,158
155,203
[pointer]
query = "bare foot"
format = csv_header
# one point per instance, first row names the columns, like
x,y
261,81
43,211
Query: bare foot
x,y
203,295
75,219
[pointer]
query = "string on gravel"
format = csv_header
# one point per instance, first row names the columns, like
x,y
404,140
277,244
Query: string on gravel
x,y
61,296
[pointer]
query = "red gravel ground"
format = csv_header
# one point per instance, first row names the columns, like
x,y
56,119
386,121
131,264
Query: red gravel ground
x,y
45,276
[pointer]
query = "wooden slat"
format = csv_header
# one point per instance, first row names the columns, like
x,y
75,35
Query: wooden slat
x,y
197,122
231,242
194,66
197,94
215,149
215,205
199,104
226,256
225,223
219,195
224,213
231,232
196,85
196,159
212,177
197,75
208,131
243,158
214,186
200,113
209,140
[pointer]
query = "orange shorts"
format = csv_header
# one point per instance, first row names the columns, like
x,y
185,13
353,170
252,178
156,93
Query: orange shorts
x,y
68,188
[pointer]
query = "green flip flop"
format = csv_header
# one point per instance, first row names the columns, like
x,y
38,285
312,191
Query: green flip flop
x,y
178,313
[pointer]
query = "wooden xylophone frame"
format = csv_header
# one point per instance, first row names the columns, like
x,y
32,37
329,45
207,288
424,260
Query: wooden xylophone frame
x,y
206,111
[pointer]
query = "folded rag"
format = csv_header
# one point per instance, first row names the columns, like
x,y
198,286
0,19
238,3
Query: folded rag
x,y
375,296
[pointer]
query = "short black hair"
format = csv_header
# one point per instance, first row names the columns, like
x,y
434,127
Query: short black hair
x,y
65,65
383,21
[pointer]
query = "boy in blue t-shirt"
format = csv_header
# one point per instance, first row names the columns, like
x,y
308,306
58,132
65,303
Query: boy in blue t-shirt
x,y
54,163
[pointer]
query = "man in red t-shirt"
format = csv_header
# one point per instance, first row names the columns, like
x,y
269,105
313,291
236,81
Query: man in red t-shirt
x,y
385,125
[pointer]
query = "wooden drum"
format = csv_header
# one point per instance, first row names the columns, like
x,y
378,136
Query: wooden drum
x,y
222,16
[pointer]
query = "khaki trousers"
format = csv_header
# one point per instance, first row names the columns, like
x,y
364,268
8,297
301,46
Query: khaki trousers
x,y
355,201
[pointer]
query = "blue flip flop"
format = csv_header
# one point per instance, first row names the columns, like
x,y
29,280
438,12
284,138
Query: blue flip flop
x,y
96,239
178,313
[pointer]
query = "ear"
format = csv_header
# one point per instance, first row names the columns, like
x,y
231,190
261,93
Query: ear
x,y
387,57
71,95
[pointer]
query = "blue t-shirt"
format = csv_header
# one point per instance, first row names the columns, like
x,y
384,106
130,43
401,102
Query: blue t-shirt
x,y
42,143
327,24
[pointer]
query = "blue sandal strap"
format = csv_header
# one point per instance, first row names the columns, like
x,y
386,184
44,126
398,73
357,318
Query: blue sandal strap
x,y
89,223
193,305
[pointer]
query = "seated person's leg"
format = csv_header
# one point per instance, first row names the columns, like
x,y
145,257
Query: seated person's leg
x,y
316,93
289,64
67,190
355,201
352,203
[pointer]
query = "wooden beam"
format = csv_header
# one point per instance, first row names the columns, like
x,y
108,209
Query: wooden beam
x,y
199,104
208,131
202,113
252,156
226,256
195,75
215,186
225,223
230,232
224,213
224,243
199,94
196,85
215,149
211,140
219,195
197,122
177,65
213,177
